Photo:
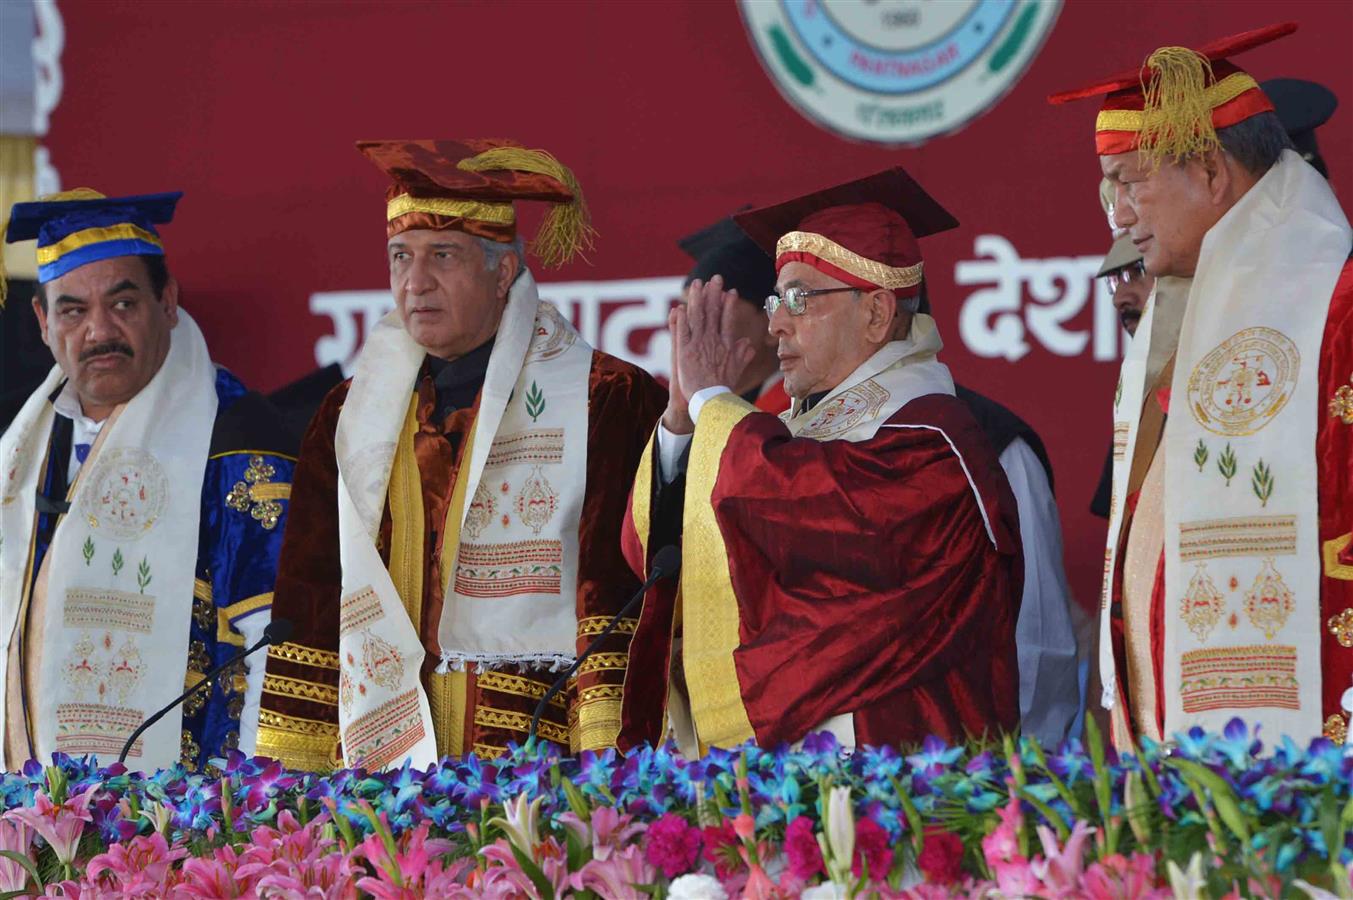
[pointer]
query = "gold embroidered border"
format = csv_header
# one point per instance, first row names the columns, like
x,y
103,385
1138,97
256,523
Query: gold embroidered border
x,y
226,453
599,662
489,717
306,656
299,750
201,589
597,624
641,497
517,686
448,692
598,725
1330,551
124,231
489,751
826,249
225,632
601,692
299,688
493,213
1219,94
709,606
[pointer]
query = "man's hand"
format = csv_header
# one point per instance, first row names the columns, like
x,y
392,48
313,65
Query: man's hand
x,y
707,354
677,418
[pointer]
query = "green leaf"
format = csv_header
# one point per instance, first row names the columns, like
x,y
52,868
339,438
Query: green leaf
x,y
1010,46
533,872
29,866
1223,798
118,561
1200,454
535,401
1048,813
1261,481
1226,464
789,58
88,550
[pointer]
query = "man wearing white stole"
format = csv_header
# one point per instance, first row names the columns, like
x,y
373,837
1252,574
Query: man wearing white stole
x,y
142,498
455,539
1229,571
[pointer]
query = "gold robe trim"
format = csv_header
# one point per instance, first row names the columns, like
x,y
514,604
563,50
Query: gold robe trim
x,y
709,608
225,632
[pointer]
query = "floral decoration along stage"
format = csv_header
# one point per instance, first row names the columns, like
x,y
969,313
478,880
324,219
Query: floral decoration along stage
x,y
1212,815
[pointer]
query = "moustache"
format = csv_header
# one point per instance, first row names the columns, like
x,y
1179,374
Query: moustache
x,y
105,349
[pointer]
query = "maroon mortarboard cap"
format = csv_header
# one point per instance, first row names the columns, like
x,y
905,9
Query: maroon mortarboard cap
x,y
470,185
863,232
1175,101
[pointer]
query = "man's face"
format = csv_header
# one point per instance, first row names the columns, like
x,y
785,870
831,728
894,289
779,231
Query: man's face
x,y
1129,296
1166,211
449,303
107,329
830,340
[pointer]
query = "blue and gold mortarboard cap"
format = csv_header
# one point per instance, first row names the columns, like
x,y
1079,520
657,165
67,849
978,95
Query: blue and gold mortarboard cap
x,y
82,226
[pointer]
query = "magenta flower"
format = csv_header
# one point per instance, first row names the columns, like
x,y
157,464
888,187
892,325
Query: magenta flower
x,y
59,825
871,846
802,850
214,877
672,845
139,868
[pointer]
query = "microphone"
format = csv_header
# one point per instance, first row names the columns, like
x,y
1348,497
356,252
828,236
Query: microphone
x,y
666,563
276,632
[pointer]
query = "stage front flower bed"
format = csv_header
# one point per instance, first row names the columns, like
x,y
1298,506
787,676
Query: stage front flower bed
x,y
1208,815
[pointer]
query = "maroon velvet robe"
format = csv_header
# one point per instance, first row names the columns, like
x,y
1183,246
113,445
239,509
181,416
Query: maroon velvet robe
x,y
878,578
299,718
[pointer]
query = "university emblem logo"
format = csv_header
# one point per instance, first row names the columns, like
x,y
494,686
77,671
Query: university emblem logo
x,y
1244,382
896,71
127,494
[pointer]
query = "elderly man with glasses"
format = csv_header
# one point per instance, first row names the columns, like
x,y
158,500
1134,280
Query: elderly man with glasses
x,y
854,566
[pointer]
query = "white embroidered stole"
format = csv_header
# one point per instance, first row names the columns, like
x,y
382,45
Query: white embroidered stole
x,y
1242,575
122,562
511,596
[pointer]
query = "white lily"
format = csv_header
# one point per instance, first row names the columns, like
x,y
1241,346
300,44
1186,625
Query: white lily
x,y
838,842
1189,883
520,820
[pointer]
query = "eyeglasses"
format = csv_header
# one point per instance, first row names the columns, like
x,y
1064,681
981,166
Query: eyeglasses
x,y
1126,275
795,299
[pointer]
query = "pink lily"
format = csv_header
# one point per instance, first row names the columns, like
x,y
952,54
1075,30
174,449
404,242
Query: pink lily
x,y
59,825
617,875
16,837
1060,869
139,868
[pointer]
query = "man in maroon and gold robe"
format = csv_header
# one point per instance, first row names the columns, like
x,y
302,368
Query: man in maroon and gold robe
x,y
1229,571
458,502
855,564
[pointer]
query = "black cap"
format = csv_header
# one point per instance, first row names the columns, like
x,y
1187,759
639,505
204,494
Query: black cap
x,y
1302,107
724,249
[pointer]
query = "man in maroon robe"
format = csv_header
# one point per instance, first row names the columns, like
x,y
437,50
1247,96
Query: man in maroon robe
x,y
856,566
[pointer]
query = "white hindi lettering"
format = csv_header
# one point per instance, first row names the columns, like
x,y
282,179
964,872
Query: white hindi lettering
x,y
996,320
626,318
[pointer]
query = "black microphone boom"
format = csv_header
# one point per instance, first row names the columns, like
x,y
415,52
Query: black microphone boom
x,y
276,632
666,563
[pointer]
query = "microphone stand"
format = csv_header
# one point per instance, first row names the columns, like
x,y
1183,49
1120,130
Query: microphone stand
x,y
666,562
277,631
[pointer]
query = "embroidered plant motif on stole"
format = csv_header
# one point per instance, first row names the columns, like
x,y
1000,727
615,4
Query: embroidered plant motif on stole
x,y
1203,605
1269,603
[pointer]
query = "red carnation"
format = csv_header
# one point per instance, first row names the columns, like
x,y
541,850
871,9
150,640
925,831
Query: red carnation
x,y
871,845
941,859
672,845
721,848
805,856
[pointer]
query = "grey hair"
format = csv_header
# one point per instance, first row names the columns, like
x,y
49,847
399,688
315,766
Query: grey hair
x,y
496,250
1257,142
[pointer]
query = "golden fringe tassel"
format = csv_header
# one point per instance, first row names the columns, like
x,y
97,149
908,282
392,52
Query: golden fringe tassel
x,y
566,229
1177,119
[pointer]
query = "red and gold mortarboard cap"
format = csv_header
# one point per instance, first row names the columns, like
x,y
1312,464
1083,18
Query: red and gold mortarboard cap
x,y
470,185
1174,104
863,232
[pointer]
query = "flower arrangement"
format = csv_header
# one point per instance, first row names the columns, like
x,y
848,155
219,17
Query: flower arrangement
x,y
1208,815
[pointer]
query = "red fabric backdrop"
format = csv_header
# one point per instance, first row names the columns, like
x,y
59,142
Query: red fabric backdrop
x,y
661,108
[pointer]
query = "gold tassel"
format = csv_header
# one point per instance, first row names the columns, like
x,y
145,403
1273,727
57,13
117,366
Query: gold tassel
x,y
1177,119
566,229
80,193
